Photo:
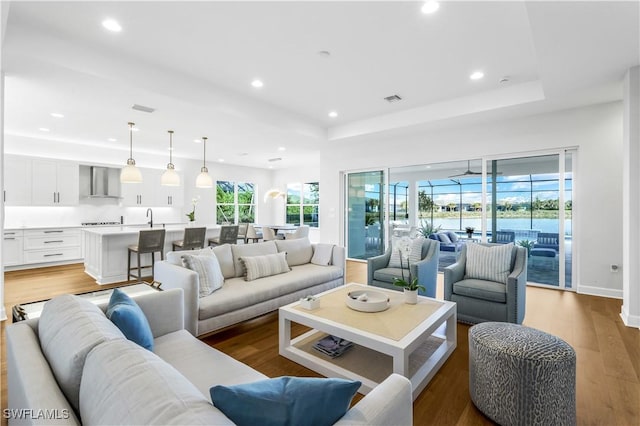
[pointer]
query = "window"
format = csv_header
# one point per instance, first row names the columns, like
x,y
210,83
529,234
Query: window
x,y
235,202
302,203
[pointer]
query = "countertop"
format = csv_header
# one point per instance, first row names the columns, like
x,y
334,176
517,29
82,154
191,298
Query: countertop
x,y
129,229
87,227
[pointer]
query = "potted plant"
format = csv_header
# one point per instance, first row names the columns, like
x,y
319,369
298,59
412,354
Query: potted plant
x,y
469,230
192,215
411,285
526,244
427,228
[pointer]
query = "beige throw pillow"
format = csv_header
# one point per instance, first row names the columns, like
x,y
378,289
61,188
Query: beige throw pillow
x,y
491,263
264,266
208,270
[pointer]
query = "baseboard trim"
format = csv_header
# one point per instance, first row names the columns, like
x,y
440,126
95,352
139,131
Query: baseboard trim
x,y
600,291
629,320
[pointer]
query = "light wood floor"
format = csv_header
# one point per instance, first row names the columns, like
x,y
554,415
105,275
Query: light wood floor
x,y
608,353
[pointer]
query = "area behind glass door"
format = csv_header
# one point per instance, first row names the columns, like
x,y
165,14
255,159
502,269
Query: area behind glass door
x,y
365,214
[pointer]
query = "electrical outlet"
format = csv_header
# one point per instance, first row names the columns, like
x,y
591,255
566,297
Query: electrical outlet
x,y
614,268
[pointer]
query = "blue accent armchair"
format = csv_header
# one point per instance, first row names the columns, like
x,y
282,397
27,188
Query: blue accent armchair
x,y
380,275
481,300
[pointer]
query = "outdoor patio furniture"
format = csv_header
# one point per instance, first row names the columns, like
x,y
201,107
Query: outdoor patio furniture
x,y
449,241
380,274
521,376
547,240
483,299
505,237
547,253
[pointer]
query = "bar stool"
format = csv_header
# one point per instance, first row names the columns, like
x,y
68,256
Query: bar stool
x,y
242,232
193,239
149,241
228,235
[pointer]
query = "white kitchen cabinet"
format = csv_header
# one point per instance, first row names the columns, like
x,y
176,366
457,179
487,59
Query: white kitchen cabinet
x,y
17,180
51,245
169,196
54,183
139,194
12,248
149,193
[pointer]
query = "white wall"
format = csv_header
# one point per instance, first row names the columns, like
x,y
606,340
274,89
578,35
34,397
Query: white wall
x,y
596,131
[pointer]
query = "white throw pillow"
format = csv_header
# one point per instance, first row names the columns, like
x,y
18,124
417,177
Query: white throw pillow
x,y
492,263
69,328
298,250
414,256
208,270
322,254
264,266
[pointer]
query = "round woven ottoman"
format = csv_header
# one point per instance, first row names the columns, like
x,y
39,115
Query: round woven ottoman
x,y
521,376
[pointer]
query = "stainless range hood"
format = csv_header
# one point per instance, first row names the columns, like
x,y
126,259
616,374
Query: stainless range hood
x,y
99,182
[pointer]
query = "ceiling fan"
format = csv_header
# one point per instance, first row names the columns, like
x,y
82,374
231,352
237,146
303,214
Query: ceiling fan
x,y
469,172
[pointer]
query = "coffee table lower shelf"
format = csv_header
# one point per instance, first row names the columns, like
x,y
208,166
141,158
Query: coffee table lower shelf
x,y
367,365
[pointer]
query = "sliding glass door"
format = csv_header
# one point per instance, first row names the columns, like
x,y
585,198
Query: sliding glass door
x,y
529,203
365,214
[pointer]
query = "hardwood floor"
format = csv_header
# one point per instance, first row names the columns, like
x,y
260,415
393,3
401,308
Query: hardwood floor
x,y
608,353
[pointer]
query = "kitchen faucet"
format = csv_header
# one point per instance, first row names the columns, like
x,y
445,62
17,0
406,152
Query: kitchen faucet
x,y
151,221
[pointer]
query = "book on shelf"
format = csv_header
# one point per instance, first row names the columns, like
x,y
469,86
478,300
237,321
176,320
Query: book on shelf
x,y
332,346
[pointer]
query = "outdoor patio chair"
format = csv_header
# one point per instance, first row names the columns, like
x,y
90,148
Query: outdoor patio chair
x,y
483,288
547,240
381,274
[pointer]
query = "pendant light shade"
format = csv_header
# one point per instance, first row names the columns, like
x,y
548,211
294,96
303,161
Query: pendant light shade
x,y
204,180
170,177
130,173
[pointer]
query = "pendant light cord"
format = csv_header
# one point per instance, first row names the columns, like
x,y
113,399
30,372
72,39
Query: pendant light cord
x,y
204,151
131,139
170,146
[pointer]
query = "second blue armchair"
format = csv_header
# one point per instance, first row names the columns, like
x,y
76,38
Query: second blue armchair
x,y
381,275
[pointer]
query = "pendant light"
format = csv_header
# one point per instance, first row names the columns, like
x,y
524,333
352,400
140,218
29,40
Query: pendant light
x,y
170,177
130,173
204,180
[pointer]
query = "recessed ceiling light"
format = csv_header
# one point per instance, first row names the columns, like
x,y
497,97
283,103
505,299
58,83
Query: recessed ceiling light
x,y
43,129
112,140
221,160
282,148
257,84
333,114
112,25
57,115
271,167
197,140
477,75
430,7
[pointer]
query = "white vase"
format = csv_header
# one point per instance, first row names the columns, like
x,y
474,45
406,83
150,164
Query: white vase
x,y
410,296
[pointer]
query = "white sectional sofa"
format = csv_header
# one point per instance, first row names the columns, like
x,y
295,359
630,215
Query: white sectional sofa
x,y
73,366
239,300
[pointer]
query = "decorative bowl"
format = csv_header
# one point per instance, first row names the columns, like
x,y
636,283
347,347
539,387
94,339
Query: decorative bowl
x,y
367,301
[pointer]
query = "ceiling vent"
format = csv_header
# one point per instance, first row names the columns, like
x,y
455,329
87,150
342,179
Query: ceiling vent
x,y
393,98
271,160
142,108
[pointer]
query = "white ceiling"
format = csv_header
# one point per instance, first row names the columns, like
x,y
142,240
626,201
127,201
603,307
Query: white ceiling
x,y
194,61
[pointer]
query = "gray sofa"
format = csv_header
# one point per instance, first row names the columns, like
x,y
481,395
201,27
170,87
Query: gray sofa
x,y
73,366
239,300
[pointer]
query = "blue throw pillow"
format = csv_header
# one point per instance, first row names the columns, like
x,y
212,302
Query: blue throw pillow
x,y
125,313
286,401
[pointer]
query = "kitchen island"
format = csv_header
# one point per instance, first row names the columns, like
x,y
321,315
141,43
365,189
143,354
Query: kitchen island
x,y
106,249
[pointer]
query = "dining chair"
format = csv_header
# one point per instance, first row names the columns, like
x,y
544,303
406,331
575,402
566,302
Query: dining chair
x,y
268,234
252,234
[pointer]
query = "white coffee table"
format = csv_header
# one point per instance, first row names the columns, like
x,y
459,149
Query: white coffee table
x,y
412,340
